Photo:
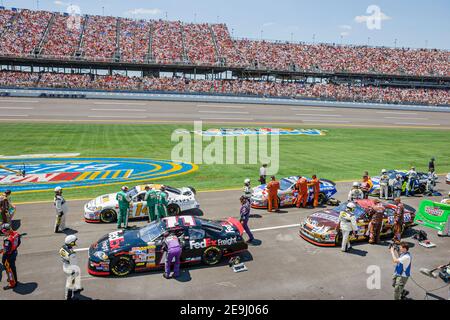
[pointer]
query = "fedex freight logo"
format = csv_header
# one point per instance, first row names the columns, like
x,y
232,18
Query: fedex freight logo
x,y
36,174
206,243
432,211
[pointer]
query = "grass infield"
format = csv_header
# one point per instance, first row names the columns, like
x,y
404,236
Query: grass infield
x,y
343,154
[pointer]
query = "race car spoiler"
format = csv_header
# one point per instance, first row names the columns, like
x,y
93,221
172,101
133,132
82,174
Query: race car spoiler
x,y
237,224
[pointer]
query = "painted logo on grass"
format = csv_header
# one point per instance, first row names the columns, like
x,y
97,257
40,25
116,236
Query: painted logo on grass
x,y
236,132
46,173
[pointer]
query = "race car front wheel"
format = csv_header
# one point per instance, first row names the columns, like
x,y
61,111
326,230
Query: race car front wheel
x,y
108,216
212,256
322,199
122,266
173,209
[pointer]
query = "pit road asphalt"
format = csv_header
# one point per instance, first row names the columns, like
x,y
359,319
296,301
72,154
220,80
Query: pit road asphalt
x,y
283,266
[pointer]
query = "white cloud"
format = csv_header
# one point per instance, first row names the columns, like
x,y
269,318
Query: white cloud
x,y
143,11
345,34
345,27
362,19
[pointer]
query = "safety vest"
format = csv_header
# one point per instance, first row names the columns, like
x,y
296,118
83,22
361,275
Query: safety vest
x,y
400,268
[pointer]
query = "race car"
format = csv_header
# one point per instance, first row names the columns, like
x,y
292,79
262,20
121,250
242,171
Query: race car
x,y
287,193
205,241
105,208
320,228
420,186
448,179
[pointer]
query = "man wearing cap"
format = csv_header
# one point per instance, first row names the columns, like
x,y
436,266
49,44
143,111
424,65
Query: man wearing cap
x,y
412,178
247,190
398,220
384,184
151,197
272,194
10,244
376,213
124,205
70,268
302,187
315,184
5,206
61,210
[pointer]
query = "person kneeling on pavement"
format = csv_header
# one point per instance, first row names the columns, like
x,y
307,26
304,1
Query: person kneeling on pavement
x,y
347,224
402,270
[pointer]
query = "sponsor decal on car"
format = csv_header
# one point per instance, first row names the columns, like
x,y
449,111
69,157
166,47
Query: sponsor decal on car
x,y
206,243
43,174
432,211
326,216
115,240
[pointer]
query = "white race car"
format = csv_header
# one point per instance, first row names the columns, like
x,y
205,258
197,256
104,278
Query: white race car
x,y
105,208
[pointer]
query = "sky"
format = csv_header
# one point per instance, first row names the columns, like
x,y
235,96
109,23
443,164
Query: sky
x,y
401,23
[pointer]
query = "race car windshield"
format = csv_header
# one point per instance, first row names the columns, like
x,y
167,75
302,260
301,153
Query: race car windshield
x,y
214,225
357,213
133,192
285,184
151,232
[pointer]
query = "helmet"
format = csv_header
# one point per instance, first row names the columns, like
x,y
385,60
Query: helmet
x,y
399,176
58,189
383,171
163,188
124,188
355,184
351,206
413,168
247,181
70,240
8,192
6,227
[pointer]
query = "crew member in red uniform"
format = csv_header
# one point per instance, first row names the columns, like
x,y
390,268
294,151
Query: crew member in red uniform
x,y
10,244
302,187
272,190
315,184
376,214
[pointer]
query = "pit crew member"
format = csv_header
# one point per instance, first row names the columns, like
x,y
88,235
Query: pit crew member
x,y
347,224
245,217
161,203
315,184
124,206
173,250
61,210
263,174
366,186
272,189
6,206
355,193
11,242
248,191
302,187
397,185
384,185
431,166
70,268
151,198
376,214
412,177
398,220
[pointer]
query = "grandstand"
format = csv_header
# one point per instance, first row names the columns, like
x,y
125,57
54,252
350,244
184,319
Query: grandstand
x,y
44,49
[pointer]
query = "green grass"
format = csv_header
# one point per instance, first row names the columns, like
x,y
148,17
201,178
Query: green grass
x,y
343,154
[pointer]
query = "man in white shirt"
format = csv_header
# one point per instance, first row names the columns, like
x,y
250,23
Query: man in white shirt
x,y
61,210
402,270
263,174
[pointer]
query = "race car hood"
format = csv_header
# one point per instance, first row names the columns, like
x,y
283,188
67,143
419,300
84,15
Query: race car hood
x,y
105,200
324,220
117,241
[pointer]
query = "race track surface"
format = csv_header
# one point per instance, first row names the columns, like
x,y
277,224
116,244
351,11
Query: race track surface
x,y
283,266
120,111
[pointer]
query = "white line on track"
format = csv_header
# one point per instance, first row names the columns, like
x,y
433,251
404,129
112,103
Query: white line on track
x,y
417,124
403,113
122,103
20,101
243,119
318,109
17,108
219,106
137,110
318,115
14,115
403,118
253,230
224,112
120,117
321,120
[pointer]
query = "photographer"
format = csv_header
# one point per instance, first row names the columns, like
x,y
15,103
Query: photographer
x,y
402,269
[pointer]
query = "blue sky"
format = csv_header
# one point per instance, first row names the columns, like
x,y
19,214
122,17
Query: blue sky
x,y
413,23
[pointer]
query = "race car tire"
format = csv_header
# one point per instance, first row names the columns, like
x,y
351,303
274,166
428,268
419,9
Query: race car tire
x,y
212,256
108,216
173,209
422,189
122,266
193,190
322,199
338,239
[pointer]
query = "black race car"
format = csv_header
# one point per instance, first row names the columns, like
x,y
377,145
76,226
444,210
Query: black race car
x,y
121,252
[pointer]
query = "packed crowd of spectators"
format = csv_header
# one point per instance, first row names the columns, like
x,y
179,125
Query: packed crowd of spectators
x,y
205,44
25,32
341,92
64,36
100,37
167,42
134,40
199,44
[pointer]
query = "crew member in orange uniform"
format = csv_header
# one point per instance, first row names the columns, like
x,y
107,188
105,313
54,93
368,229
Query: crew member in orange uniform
x,y
315,183
272,190
302,187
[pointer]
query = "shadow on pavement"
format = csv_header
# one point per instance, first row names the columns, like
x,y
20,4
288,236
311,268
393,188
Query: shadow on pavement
x,y
357,252
256,216
25,288
185,276
69,232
